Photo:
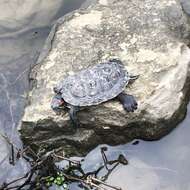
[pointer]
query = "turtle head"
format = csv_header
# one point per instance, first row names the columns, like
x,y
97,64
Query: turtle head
x,y
57,103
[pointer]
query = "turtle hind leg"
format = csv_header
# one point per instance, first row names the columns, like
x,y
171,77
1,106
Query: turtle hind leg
x,y
73,116
128,101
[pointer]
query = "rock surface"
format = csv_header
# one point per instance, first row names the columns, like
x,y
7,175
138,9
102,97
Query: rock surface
x,y
150,38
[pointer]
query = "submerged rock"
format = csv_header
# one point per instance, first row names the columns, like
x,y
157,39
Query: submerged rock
x,y
149,37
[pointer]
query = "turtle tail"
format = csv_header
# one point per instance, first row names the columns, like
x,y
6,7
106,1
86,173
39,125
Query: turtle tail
x,y
133,77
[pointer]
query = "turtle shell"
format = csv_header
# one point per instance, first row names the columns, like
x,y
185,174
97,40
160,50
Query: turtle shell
x,y
94,85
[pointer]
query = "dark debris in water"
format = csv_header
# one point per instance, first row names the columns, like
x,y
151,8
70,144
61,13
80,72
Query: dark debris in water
x,y
44,172
135,142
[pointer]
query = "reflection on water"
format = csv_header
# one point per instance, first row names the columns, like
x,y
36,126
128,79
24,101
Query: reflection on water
x,y
17,16
21,15
157,165
24,26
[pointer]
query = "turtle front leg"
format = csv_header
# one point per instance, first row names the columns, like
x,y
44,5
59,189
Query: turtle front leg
x,y
73,116
128,101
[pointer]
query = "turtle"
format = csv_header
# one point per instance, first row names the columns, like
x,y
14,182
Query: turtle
x,y
93,86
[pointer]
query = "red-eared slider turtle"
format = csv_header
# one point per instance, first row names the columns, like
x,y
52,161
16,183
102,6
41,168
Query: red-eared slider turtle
x,y
93,86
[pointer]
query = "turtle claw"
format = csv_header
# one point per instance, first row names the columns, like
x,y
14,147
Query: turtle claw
x,y
128,101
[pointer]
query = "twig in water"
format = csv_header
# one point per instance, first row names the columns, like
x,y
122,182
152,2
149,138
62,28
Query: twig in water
x,y
67,159
12,157
44,166
5,186
104,157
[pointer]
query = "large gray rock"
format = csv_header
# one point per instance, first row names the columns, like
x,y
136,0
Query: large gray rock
x,y
150,38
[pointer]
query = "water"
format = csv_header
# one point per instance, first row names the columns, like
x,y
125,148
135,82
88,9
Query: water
x,y
24,26
157,165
